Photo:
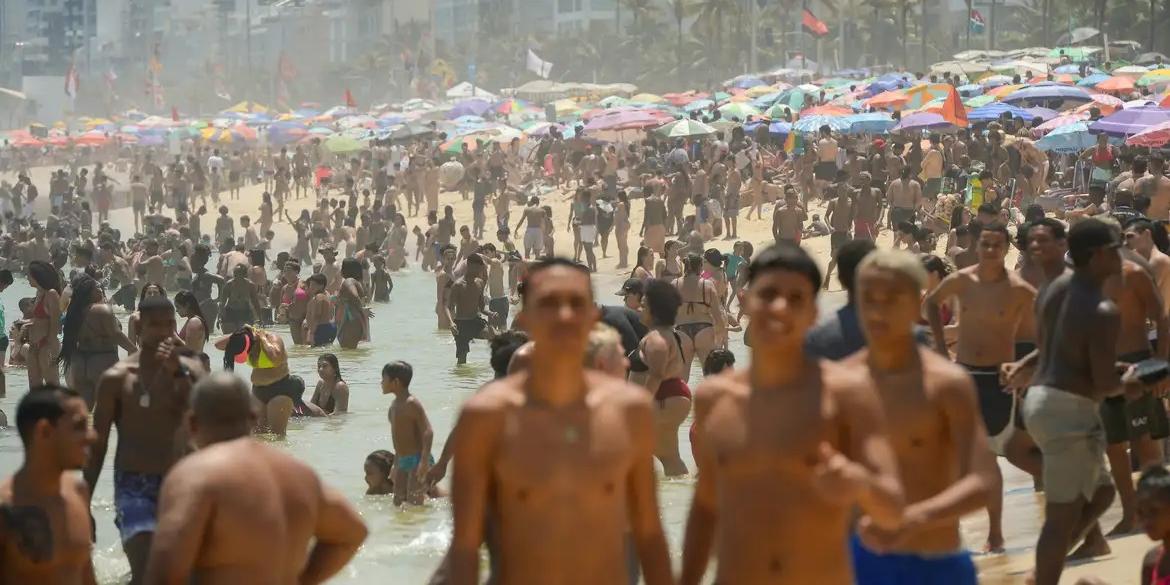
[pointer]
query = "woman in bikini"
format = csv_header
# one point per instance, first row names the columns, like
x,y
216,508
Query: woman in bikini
x,y
669,267
353,325
332,392
664,352
152,289
194,330
644,266
45,325
701,318
91,335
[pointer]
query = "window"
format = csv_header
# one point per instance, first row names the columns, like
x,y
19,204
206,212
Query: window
x,y
565,5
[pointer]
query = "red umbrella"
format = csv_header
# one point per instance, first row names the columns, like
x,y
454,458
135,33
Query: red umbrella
x,y
1116,84
92,139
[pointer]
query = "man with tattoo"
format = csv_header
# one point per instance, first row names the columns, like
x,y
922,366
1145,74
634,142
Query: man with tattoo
x,y
226,512
145,395
45,526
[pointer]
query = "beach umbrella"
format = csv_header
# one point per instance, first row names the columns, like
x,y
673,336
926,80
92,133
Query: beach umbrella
x,y
1004,90
778,111
1073,69
1135,71
685,128
1117,84
1154,77
995,80
284,135
1139,103
1126,122
1105,103
93,138
869,123
748,82
741,111
648,98
1070,138
826,111
1094,79
541,128
698,105
760,90
222,135
724,125
625,120
1044,114
1075,54
979,100
1048,93
892,100
321,131
247,107
469,107
613,101
1155,136
1151,58
1076,35
340,144
923,121
1060,121
969,90
468,119
155,122
813,124
921,94
995,111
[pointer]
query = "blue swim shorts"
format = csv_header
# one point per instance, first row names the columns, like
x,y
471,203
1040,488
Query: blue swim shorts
x,y
870,568
136,503
410,462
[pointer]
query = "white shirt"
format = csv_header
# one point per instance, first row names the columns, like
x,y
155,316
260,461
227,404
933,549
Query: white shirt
x,y
214,163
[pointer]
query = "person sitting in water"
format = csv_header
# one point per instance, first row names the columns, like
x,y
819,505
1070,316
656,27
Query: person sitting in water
x,y
379,481
411,431
332,392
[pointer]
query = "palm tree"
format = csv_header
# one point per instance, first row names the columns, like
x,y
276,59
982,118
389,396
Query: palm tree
x,y
713,13
680,9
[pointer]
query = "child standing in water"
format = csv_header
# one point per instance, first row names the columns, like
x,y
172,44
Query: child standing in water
x,y
411,432
381,281
332,393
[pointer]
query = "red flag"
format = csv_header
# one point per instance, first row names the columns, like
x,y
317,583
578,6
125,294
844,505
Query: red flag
x,y
72,79
812,24
953,110
174,113
349,101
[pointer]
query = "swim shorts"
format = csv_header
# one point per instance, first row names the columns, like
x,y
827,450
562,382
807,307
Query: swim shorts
x,y
324,334
996,406
410,462
1067,429
135,503
838,239
870,568
1126,419
825,170
291,386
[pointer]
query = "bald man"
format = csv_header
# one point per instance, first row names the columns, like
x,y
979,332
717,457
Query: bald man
x,y
239,511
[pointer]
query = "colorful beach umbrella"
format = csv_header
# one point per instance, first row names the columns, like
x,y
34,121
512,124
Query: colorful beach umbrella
x,y
1117,84
340,144
741,111
814,123
1070,138
888,100
923,121
869,123
685,128
1130,121
1155,136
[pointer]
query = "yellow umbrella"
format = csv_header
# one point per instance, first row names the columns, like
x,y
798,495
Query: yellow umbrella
x,y
759,90
566,106
648,98
921,94
247,107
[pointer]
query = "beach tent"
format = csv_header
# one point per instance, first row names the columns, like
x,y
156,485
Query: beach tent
x,y
465,89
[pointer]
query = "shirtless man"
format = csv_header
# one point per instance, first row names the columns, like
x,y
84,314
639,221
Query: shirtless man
x,y
935,429
825,170
239,301
201,283
533,215
465,307
251,235
443,280
992,303
318,328
241,511
786,448
867,208
45,525
1075,370
788,220
1137,418
839,216
1139,237
145,395
530,443
905,196
1156,186
330,268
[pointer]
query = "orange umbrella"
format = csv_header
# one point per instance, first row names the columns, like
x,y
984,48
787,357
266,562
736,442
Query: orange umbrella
x,y
825,111
1116,84
1003,91
1104,103
893,99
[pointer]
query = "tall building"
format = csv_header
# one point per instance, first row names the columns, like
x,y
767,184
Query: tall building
x,y
54,32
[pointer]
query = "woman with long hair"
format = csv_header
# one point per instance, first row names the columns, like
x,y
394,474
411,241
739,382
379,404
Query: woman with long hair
x,y
669,267
194,330
91,335
353,324
621,227
45,324
332,392
644,267
150,289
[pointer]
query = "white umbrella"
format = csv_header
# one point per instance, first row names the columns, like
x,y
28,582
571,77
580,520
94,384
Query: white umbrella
x,y
685,128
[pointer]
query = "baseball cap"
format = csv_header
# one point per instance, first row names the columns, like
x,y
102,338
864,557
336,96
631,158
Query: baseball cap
x,y
632,286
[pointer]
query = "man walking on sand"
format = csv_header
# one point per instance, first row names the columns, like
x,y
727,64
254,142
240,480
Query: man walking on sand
x,y
530,443
240,511
787,449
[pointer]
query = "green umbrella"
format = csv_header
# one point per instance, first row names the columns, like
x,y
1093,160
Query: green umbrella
x,y
740,110
778,111
978,101
721,96
1075,54
342,144
685,128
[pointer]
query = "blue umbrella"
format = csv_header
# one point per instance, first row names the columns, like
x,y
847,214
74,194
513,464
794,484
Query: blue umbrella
x,y
748,82
698,105
1072,138
1093,79
780,127
994,111
1044,114
470,107
1046,92
871,123
922,121
812,124
766,100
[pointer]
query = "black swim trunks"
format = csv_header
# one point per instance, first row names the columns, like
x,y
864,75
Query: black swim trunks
x,y
1126,419
995,405
291,386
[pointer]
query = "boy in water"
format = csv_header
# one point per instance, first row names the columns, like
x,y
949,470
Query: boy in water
x,y
381,280
411,432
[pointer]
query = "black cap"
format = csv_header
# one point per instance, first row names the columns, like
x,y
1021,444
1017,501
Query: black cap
x,y
1089,235
632,286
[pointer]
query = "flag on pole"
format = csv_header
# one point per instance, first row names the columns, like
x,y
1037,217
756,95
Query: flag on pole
x,y
174,114
953,109
349,101
72,80
812,24
537,65
977,24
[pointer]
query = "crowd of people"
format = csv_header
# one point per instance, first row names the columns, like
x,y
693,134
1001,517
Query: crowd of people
x,y
844,450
